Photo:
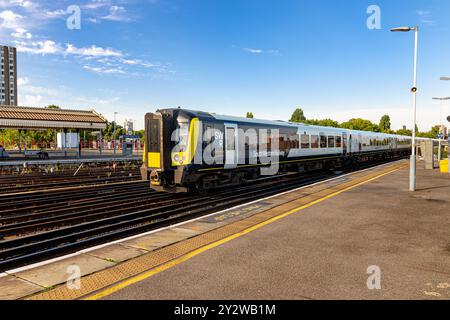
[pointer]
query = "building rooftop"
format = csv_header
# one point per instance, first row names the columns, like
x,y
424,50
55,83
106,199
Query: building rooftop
x,y
47,118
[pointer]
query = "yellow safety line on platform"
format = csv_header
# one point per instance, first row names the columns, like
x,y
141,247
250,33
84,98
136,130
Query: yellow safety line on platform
x,y
170,264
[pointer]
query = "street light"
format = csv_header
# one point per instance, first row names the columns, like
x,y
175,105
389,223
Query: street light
x,y
412,171
114,132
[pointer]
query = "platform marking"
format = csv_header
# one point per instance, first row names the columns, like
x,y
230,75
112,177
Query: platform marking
x,y
114,288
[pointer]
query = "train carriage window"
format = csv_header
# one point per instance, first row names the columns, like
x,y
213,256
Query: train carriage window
x,y
338,142
283,142
330,141
323,141
293,141
305,141
230,139
314,141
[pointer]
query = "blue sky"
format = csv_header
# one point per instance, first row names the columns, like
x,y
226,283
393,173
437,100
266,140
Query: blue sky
x,y
229,56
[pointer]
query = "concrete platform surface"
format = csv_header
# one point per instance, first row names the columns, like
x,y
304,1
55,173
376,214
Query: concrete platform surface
x,y
328,250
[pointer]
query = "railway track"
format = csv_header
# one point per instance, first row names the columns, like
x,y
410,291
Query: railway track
x,y
15,183
34,230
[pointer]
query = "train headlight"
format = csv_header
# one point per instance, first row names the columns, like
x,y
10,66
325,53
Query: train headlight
x,y
176,157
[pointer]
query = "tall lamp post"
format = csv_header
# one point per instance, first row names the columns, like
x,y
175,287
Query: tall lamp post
x,y
412,171
114,132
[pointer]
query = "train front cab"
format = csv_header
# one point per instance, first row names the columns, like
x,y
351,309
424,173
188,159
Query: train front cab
x,y
157,161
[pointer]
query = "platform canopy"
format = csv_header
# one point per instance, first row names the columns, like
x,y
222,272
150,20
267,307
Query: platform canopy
x,y
48,118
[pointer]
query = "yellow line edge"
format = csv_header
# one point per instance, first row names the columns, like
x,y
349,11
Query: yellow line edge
x,y
189,255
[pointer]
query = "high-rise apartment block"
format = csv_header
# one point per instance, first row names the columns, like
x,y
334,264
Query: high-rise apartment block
x,y
8,78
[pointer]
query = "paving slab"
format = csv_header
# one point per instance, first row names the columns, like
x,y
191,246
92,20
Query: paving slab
x,y
116,253
56,273
159,239
13,288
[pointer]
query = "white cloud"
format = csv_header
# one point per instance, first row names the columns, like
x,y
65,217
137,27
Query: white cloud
x,y
261,51
39,90
425,17
22,81
39,47
93,20
22,3
22,33
252,50
50,47
137,62
30,100
96,4
25,86
93,51
16,3
103,70
56,13
10,20
118,14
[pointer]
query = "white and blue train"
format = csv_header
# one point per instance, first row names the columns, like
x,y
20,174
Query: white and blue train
x,y
180,145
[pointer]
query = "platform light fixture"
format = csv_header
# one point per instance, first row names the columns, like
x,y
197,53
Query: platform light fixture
x,y
412,171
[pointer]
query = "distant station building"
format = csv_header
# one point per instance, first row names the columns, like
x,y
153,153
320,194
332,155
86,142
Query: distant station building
x,y
67,123
8,79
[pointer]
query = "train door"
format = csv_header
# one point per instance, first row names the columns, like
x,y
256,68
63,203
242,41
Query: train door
x,y
231,145
350,143
359,143
153,128
344,143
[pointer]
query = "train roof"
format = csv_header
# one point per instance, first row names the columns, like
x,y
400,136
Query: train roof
x,y
225,118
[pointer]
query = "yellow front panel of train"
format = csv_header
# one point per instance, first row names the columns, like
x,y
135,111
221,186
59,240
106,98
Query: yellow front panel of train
x,y
154,160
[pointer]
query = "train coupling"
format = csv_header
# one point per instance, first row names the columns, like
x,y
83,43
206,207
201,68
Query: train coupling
x,y
155,180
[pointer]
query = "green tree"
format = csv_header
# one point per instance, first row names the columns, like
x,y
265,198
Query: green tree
x,y
298,116
385,124
53,106
433,133
404,132
108,133
249,115
361,124
323,123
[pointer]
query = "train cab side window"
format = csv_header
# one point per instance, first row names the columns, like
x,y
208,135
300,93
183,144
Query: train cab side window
x,y
182,135
314,141
323,141
338,142
305,141
330,141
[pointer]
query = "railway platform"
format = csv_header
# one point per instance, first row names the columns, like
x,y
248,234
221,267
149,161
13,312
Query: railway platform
x,y
323,241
